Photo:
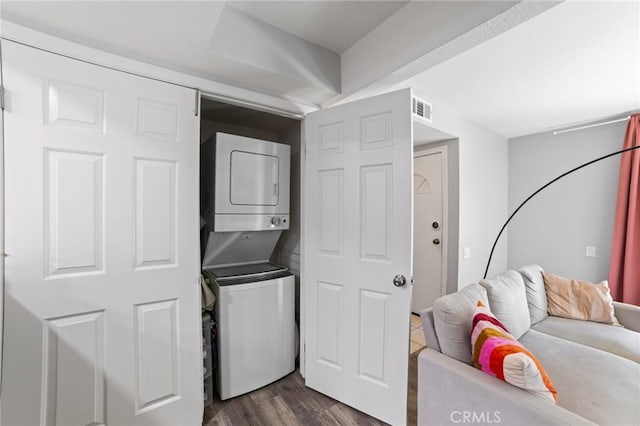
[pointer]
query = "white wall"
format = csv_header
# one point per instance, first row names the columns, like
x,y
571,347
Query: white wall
x,y
483,189
554,228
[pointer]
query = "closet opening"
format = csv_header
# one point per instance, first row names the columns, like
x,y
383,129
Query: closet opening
x,y
249,246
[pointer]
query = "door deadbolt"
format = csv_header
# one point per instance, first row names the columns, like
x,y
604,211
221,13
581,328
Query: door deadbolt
x,y
399,280
436,241
435,225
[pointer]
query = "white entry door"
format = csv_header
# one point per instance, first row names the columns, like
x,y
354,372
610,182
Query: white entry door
x,y
357,238
102,309
427,230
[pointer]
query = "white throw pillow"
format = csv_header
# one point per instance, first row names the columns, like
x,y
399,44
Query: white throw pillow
x,y
508,301
452,315
536,296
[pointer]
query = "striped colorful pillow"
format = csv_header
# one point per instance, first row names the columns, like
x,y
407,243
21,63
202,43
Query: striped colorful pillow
x,y
498,354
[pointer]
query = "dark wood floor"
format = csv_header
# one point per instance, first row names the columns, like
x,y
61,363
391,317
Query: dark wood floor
x,y
289,402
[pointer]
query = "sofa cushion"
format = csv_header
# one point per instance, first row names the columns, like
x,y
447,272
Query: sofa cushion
x,y
452,316
508,301
536,296
616,340
500,355
591,383
576,299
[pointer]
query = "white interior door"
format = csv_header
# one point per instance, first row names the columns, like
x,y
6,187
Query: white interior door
x,y
357,238
102,310
427,230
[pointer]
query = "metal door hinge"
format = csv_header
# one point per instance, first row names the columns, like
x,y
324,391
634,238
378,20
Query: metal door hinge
x,y
2,97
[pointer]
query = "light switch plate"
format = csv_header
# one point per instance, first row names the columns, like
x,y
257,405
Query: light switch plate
x,y
466,252
590,251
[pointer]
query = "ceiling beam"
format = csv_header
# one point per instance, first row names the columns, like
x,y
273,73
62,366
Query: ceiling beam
x,y
421,36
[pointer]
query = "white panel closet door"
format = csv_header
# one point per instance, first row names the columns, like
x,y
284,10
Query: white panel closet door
x,y
357,238
102,300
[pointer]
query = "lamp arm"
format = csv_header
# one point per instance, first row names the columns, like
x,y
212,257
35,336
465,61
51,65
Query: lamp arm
x,y
588,163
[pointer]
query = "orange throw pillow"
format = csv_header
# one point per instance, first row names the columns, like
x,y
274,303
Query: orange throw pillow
x,y
497,353
580,300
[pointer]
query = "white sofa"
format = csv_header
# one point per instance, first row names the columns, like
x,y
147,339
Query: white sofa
x,y
595,367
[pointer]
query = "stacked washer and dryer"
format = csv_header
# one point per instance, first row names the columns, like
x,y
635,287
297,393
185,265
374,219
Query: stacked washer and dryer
x,y
247,212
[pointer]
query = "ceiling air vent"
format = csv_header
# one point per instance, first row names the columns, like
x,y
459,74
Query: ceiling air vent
x,y
421,109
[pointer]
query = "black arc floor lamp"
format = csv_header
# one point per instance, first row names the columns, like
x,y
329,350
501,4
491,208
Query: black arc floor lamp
x,y
588,163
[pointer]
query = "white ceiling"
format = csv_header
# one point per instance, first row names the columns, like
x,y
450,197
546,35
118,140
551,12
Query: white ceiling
x,y
571,63
291,49
334,25
171,34
576,62
182,35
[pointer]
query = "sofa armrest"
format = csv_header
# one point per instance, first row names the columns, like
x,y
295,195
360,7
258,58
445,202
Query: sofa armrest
x,y
429,329
628,315
451,392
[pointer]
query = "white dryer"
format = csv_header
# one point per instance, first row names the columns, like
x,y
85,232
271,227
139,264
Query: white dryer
x,y
250,178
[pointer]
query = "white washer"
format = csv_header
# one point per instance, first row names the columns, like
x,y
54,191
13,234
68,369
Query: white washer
x,y
256,326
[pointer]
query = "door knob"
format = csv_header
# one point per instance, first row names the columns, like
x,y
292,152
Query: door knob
x,y
399,280
436,241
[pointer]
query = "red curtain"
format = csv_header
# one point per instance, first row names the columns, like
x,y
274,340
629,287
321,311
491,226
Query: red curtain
x,y
624,272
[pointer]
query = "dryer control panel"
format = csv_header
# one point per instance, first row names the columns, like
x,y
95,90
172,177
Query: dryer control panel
x,y
280,221
250,222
